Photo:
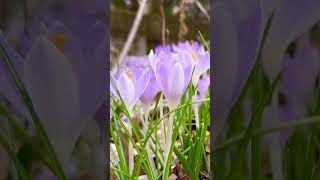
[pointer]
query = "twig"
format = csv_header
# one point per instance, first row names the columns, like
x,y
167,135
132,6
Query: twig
x,y
133,31
163,23
203,10
183,29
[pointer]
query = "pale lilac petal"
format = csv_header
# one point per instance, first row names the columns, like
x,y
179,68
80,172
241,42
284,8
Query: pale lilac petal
x,y
151,90
176,84
93,81
126,89
187,76
52,85
141,84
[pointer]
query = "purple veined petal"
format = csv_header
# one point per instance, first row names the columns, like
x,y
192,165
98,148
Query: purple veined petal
x,y
152,60
161,75
187,77
160,48
225,62
292,18
127,90
176,84
185,59
201,67
151,90
141,84
52,86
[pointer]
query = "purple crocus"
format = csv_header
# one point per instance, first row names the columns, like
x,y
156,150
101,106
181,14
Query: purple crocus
x,y
200,58
172,75
66,87
131,85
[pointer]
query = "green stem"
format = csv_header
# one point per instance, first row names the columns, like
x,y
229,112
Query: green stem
x,y
262,131
6,146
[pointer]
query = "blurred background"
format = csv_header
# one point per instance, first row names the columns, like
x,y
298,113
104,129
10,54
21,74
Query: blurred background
x,y
123,12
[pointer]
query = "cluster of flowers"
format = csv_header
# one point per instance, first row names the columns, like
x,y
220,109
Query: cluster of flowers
x,y
168,69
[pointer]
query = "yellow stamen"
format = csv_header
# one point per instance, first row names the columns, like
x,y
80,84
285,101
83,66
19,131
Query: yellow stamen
x,y
191,42
193,55
129,73
59,40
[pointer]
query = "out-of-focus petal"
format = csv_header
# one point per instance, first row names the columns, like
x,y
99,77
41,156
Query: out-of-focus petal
x,y
291,19
225,61
126,90
52,85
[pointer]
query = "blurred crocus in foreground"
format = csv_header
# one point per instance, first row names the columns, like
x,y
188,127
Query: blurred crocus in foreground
x,y
65,90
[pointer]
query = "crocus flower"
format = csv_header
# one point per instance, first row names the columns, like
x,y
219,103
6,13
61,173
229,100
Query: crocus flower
x,y
173,77
201,63
131,85
66,89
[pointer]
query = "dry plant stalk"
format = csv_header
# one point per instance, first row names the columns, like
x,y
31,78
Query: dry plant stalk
x,y
183,29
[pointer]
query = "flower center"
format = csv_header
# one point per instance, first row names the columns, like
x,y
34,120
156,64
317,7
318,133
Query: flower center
x,y
59,40
129,73
194,56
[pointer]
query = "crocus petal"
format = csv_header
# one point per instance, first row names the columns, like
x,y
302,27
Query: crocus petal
x,y
151,90
292,18
141,84
176,84
93,81
225,61
126,90
52,86
201,67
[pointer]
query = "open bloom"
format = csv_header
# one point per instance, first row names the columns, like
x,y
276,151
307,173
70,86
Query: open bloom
x,y
131,85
